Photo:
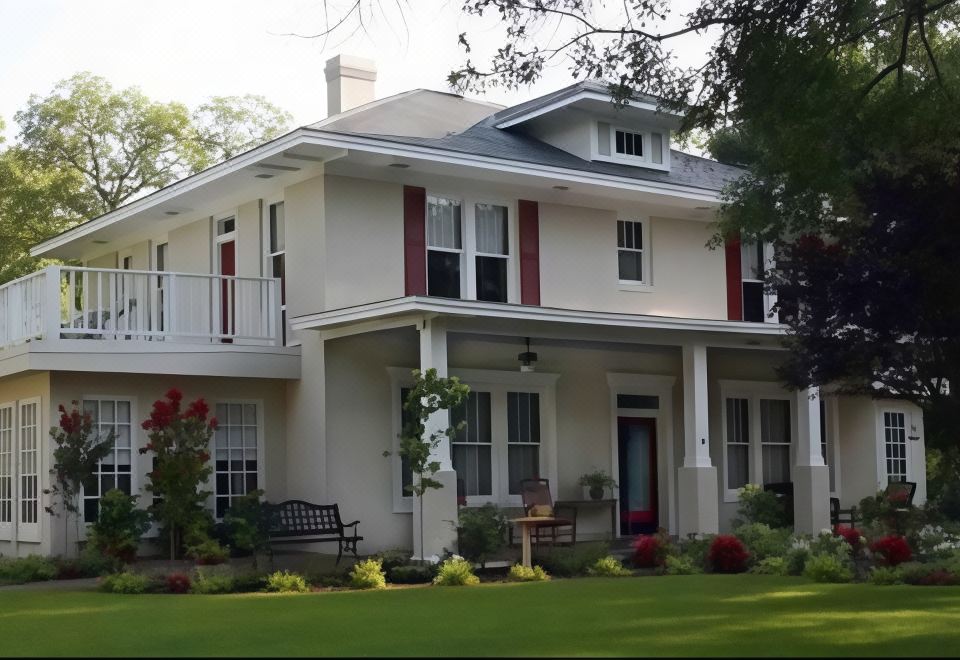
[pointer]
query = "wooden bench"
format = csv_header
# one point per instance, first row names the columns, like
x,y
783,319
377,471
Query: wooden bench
x,y
296,521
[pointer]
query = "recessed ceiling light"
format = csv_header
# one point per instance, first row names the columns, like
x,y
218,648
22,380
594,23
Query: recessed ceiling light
x,y
702,208
561,187
100,242
399,166
172,212
263,176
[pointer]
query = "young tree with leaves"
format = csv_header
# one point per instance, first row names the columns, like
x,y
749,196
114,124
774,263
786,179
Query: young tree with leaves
x,y
77,453
430,394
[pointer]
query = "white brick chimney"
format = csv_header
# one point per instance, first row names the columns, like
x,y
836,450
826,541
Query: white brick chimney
x,y
350,82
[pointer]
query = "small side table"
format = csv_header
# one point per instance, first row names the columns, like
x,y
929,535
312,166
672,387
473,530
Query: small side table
x,y
576,504
526,524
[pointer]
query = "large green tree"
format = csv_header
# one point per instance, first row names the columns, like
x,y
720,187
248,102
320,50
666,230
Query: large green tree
x,y
87,148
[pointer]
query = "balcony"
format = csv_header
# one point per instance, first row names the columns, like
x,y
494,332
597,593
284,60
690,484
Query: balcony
x,y
64,309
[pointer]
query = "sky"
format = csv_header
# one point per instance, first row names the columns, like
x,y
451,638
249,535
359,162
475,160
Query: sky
x,y
189,50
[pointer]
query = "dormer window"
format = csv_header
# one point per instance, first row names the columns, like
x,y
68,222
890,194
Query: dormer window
x,y
627,143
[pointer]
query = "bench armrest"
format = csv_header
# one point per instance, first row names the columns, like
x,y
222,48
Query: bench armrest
x,y
353,524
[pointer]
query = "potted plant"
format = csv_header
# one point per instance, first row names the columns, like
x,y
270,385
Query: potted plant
x,y
597,483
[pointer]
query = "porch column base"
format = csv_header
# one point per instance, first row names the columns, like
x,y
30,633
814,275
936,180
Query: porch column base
x,y
699,505
439,518
811,498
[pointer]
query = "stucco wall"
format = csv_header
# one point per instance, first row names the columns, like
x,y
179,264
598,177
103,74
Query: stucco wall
x,y
306,269
189,248
249,240
578,264
364,241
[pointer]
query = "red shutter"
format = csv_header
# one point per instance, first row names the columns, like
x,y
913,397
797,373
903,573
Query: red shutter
x,y
529,252
734,281
414,241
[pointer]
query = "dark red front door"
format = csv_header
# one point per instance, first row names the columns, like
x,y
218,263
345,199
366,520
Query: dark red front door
x,y
637,451
228,266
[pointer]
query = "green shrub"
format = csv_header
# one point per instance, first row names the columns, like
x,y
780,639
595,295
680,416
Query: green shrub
x,y
207,581
481,532
828,543
696,550
455,572
797,557
208,552
127,583
286,582
760,506
32,568
393,558
119,526
520,573
411,574
571,561
827,568
368,574
682,565
246,525
764,541
248,581
936,573
771,566
608,567
886,575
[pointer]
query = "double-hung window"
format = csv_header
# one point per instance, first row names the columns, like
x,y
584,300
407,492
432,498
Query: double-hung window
x,y
757,435
472,448
236,453
631,262
276,256
444,247
523,438
751,278
468,249
110,418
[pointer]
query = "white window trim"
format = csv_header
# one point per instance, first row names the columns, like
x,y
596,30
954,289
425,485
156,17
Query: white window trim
x,y
662,387
498,383
769,299
6,528
30,532
753,391
266,258
211,484
645,141
224,238
646,285
136,484
468,245
912,429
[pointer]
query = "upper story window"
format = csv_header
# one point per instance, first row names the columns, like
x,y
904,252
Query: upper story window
x,y
468,249
226,226
633,145
631,263
276,257
627,143
751,277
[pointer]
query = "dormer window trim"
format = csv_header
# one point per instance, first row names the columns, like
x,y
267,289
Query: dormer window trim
x,y
604,145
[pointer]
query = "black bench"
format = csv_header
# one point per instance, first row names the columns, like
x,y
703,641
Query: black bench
x,y
296,521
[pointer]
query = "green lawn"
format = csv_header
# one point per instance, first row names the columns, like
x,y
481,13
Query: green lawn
x,y
694,615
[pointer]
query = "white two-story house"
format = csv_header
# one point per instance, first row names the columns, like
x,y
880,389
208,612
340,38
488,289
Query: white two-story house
x,y
297,285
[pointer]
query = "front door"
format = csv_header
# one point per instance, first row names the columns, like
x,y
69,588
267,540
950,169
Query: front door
x,y
637,451
228,266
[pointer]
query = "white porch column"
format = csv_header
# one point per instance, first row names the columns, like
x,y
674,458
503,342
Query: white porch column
x,y
811,477
439,506
697,478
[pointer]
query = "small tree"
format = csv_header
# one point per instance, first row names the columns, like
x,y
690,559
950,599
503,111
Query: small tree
x,y
76,454
430,394
179,442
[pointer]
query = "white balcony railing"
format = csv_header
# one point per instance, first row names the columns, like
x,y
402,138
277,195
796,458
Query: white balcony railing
x,y
63,302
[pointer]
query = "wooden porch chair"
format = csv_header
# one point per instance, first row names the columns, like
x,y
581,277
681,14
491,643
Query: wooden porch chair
x,y
562,528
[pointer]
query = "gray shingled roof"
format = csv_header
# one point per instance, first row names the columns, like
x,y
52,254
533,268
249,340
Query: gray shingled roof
x,y
483,139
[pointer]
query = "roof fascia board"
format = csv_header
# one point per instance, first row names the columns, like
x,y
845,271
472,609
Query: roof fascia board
x,y
170,192
567,100
422,305
518,167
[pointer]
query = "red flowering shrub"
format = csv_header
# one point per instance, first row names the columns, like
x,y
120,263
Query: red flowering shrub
x,y
891,550
940,577
178,583
851,535
179,441
648,551
727,554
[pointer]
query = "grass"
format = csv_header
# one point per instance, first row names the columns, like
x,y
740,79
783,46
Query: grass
x,y
684,615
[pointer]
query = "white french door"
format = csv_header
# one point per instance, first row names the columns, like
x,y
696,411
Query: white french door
x,y
28,464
